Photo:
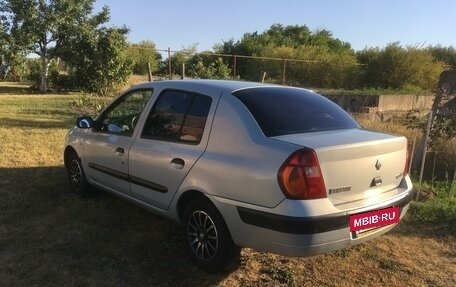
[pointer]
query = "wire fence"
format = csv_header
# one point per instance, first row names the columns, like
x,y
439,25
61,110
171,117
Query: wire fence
x,y
438,156
280,68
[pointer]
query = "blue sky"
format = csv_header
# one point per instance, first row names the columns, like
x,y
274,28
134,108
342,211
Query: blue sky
x,y
363,23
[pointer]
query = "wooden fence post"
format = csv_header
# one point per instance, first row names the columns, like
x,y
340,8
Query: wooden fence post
x,y
423,159
149,72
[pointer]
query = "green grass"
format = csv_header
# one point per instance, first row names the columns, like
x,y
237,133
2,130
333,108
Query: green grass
x,y
437,209
50,237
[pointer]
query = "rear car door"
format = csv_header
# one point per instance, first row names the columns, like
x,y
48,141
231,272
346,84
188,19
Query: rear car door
x,y
107,144
174,136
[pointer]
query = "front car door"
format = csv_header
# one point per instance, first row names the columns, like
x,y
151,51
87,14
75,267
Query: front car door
x,y
174,136
107,144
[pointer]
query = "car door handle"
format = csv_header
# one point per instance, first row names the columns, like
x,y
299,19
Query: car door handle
x,y
177,163
120,151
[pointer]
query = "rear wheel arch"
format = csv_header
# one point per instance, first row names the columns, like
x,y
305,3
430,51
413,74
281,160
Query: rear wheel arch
x,y
186,198
195,195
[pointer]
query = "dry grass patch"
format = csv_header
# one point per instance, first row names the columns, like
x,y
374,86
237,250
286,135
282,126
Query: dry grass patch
x,y
389,260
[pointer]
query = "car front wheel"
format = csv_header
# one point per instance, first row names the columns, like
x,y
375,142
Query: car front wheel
x,y
207,239
78,181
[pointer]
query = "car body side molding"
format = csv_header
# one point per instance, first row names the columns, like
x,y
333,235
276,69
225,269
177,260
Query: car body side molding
x,y
148,184
109,171
132,179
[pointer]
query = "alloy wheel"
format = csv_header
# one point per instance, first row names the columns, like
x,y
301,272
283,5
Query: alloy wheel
x,y
76,174
202,235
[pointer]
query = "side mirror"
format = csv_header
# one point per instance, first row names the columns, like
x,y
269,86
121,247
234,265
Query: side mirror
x,y
84,122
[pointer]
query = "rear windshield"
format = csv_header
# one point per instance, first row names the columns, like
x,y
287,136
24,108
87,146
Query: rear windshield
x,y
283,111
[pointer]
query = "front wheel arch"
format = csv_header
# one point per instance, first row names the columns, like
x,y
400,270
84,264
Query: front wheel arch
x,y
69,150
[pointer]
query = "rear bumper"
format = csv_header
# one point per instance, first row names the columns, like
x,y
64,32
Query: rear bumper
x,y
305,225
283,231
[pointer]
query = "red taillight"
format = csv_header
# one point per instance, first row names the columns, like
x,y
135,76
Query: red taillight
x,y
300,176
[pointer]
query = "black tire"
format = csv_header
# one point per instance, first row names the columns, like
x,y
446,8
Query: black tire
x,y
207,239
76,175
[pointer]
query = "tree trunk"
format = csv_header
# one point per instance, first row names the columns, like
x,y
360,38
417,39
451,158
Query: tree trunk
x,y
43,73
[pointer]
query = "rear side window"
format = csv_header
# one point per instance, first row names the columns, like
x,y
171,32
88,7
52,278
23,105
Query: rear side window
x,y
281,111
177,116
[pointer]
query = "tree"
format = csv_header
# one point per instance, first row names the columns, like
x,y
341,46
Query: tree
x,y
45,27
443,54
4,27
324,68
396,67
99,59
4,47
325,61
12,58
142,53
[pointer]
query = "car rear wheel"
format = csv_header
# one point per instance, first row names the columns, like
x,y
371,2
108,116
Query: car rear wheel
x,y
206,237
78,181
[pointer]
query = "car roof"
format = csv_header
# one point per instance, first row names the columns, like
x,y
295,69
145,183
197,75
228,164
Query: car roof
x,y
226,85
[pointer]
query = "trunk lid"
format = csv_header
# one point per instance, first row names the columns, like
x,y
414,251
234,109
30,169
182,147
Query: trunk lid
x,y
358,166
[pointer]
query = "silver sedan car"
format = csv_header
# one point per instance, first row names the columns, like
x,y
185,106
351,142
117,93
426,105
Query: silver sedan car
x,y
242,164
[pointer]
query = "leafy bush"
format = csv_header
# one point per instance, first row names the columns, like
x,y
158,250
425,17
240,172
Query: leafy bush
x,y
446,55
400,68
142,53
200,69
88,105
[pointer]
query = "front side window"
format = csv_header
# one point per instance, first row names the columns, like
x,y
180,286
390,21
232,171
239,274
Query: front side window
x,y
122,116
178,116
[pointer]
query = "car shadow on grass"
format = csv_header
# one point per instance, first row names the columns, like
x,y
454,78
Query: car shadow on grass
x,y
15,89
52,237
36,124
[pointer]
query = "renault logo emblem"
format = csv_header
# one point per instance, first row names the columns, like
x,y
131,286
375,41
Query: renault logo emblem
x,y
378,165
